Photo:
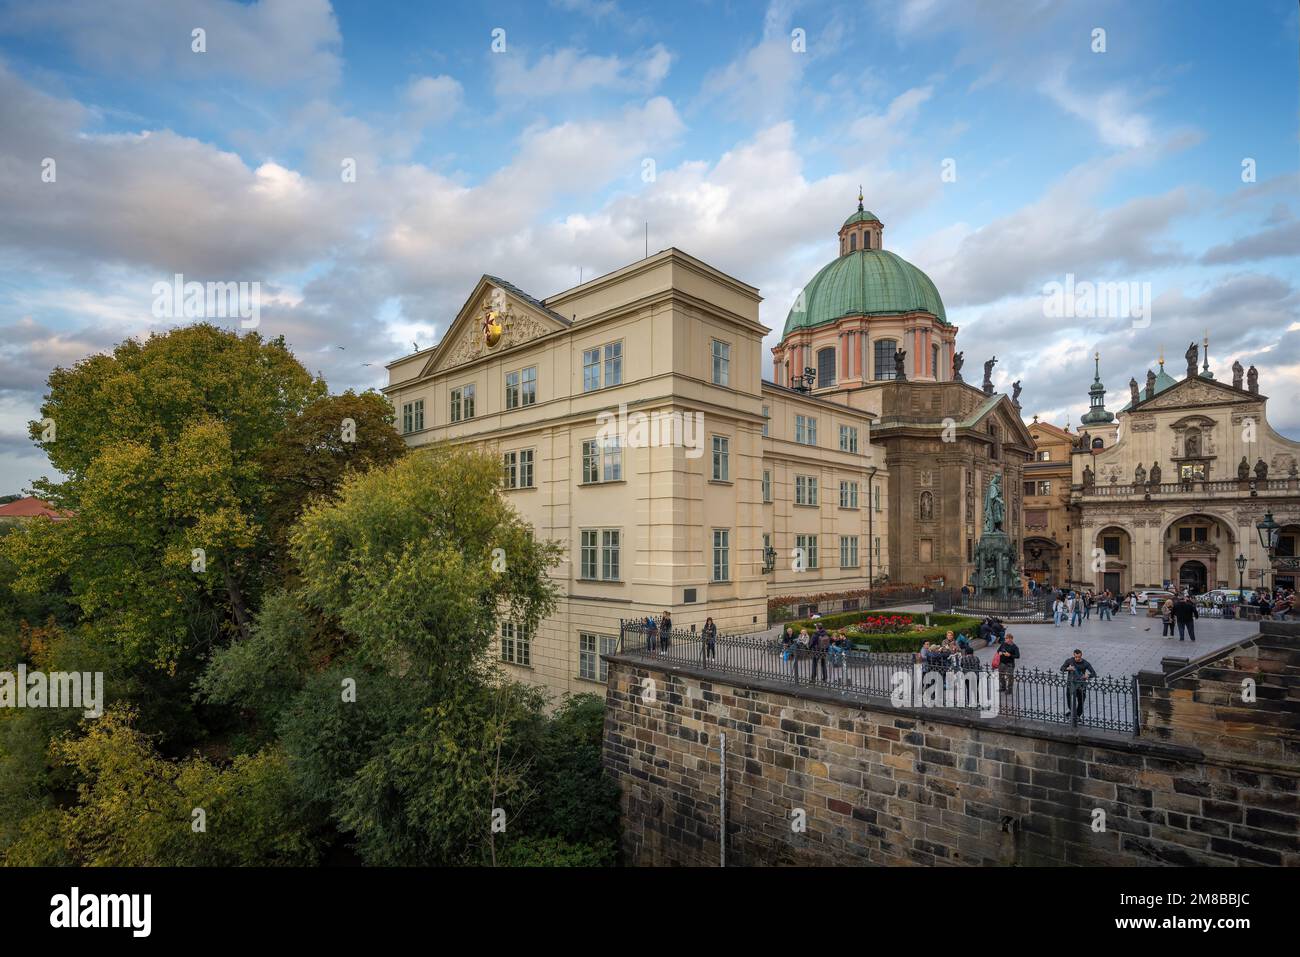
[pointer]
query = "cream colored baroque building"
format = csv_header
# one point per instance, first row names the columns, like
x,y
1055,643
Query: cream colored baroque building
x,y
634,427
1177,496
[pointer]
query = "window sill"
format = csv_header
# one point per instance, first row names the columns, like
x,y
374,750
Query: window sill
x,y
601,581
799,505
593,681
850,508
521,488
721,482
602,482
515,664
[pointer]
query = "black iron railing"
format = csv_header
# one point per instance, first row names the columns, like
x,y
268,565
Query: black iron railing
x,y
1102,703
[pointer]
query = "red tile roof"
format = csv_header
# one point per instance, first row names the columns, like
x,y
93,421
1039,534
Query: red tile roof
x,y
30,507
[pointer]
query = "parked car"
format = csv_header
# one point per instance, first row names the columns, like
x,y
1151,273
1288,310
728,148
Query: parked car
x,y
1230,596
1153,597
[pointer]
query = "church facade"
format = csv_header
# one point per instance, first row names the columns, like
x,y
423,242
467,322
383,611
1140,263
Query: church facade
x,y
869,331
1175,500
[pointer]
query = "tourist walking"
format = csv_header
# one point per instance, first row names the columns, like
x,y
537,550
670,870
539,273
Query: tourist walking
x,y
1076,616
1005,662
1103,607
1058,610
1077,672
1185,613
710,639
1167,618
1132,603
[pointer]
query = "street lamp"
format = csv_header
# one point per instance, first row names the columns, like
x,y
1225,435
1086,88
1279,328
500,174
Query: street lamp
x,y
1241,577
871,534
1268,532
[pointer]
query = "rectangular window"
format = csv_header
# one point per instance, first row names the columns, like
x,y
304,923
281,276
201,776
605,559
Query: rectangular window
x,y
805,490
848,438
519,469
848,494
1044,488
808,544
1202,534
1045,456
602,462
884,358
767,485
612,460
721,459
512,390
805,430
613,363
877,548
413,416
1029,488
528,386
1110,545
462,403
590,647
767,418
590,553
516,644
590,370
721,554
848,551
721,363
875,492
609,554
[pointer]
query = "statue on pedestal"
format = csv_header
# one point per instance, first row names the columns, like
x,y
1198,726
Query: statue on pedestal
x,y
1243,470
957,361
1252,380
1151,384
1237,373
1155,474
1139,475
995,508
1191,355
1133,392
1015,393
1088,476
988,375
1261,470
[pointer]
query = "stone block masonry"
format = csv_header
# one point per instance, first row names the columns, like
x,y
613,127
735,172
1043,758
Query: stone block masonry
x,y
814,779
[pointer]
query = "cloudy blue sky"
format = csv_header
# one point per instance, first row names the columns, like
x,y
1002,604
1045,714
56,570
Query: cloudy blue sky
x,y
1117,166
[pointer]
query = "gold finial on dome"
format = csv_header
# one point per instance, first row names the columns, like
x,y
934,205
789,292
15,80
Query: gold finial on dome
x,y
859,197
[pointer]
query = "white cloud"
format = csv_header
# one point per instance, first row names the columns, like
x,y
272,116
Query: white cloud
x,y
433,99
569,71
1110,113
269,42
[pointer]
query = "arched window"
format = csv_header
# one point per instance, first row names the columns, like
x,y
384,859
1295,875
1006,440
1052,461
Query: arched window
x,y
1098,442
825,367
866,239
934,361
853,242
885,349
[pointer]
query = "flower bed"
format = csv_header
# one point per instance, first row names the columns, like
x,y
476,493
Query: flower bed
x,y
907,636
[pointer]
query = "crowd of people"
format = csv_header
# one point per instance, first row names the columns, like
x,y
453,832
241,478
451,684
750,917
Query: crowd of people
x,y
820,648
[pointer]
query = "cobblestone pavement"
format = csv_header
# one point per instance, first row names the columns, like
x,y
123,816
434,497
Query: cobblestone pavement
x,y
1120,647
1124,646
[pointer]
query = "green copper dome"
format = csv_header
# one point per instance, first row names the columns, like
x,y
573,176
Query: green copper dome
x,y
861,216
866,282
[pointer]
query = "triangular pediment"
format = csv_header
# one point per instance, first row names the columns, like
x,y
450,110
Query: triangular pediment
x,y
1194,392
497,316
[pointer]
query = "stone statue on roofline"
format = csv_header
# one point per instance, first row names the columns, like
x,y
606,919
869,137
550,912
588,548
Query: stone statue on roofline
x,y
900,365
1237,373
957,361
1191,355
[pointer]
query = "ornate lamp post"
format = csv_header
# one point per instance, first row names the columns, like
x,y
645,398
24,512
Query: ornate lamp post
x,y
1241,576
804,383
769,560
871,534
1268,532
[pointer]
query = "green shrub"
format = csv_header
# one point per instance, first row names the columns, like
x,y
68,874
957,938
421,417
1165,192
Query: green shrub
x,y
846,618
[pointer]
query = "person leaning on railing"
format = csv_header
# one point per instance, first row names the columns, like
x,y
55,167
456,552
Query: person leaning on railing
x,y
1077,672
666,632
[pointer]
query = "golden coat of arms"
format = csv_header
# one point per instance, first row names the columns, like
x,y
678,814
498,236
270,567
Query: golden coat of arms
x,y
493,325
